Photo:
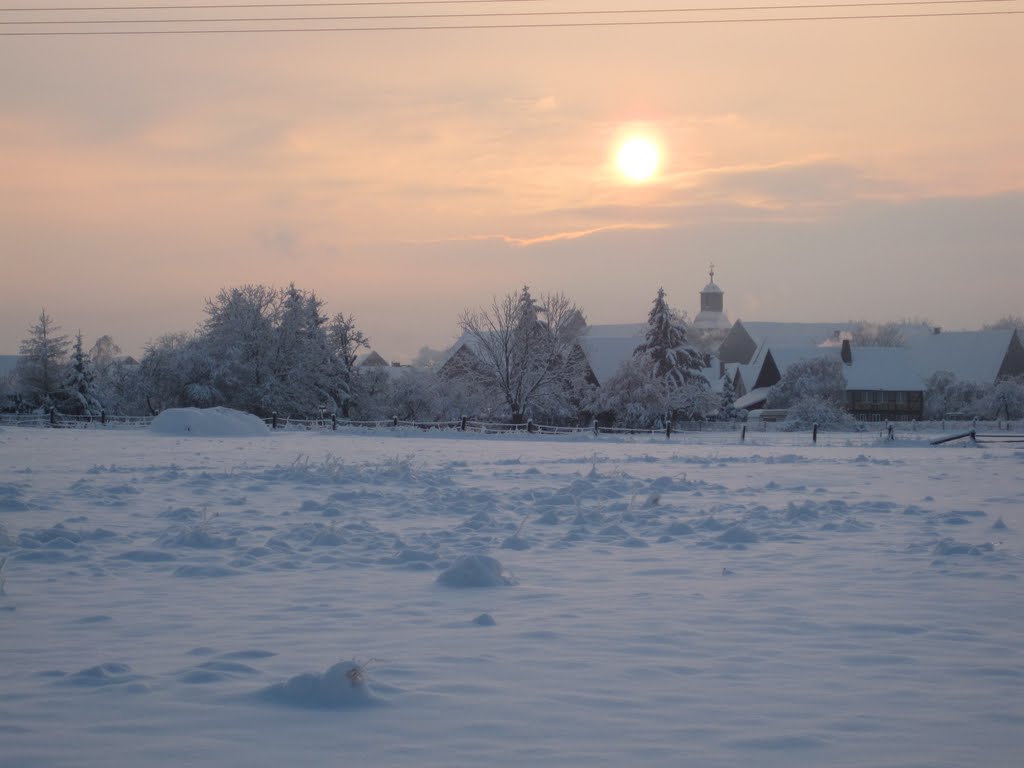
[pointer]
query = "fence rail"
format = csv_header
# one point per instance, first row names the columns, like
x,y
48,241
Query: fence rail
x,y
988,433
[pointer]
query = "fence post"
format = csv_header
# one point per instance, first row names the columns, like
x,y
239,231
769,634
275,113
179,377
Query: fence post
x,y
743,433
814,434
462,424
974,438
892,435
394,421
594,427
334,422
273,419
103,417
668,429
53,416
529,426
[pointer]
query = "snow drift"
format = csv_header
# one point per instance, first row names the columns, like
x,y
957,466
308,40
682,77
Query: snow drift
x,y
208,422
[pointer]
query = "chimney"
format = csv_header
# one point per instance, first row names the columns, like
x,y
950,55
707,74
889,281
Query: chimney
x,y
847,352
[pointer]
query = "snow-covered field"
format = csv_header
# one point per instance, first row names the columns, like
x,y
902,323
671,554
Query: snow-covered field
x,y
183,600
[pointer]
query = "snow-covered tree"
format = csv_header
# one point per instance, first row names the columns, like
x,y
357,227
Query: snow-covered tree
x,y
41,363
238,335
1003,400
527,351
78,394
633,397
176,371
674,364
308,373
812,410
946,396
727,401
345,339
665,343
819,378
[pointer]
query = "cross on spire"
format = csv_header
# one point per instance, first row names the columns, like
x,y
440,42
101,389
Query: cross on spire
x,y
712,271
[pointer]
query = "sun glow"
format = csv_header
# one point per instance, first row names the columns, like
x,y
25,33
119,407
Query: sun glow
x,y
638,159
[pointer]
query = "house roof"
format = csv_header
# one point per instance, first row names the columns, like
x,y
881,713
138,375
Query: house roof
x,y
885,368
753,398
969,355
608,346
794,334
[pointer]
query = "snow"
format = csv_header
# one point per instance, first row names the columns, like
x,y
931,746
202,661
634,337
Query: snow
x,y
208,422
969,355
698,601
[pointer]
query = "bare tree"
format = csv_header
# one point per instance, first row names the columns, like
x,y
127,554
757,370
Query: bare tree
x,y
526,350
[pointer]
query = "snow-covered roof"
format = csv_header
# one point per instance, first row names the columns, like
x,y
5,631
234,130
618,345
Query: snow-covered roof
x,y
885,368
752,398
608,346
710,320
794,334
969,355
711,288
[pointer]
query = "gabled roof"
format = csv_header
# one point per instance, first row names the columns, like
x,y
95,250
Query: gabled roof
x,y
794,334
872,368
608,346
969,355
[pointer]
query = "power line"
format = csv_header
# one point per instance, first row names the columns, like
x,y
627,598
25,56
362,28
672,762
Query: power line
x,y
541,25
514,14
199,6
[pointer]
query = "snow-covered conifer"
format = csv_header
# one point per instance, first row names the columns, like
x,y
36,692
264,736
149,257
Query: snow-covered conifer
x,y
41,363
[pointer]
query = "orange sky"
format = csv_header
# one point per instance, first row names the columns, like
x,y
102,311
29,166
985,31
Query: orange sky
x,y
832,170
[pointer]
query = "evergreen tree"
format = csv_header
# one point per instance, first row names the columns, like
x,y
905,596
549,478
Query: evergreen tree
x,y
665,343
78,394
239,336
41,363
675,362
309,375
728,410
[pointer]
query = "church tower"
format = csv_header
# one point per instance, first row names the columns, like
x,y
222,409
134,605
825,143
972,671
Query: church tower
x,y
712,301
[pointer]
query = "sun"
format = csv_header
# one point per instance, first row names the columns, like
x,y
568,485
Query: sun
x,y
638,158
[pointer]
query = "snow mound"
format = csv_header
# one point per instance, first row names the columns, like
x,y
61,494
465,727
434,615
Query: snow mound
x,y
475,571
208,422
343,686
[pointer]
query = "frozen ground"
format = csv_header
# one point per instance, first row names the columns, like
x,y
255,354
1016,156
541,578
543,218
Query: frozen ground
x,y
295,599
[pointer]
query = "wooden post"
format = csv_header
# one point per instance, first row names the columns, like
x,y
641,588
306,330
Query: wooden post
x,y
103,417
53,416
529,426
814,434
334,422
394,421
668,429
462,424
273,419
743,434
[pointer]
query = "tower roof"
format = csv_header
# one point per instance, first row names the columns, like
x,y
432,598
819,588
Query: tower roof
x,y
711,287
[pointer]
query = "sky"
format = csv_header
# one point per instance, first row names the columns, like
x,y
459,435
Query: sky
x,y
831,170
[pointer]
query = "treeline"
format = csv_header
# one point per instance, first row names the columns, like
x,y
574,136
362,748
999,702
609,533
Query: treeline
x,y
267,350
